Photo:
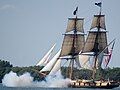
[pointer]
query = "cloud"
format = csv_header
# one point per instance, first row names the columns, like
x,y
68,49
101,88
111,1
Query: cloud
x,y
7,6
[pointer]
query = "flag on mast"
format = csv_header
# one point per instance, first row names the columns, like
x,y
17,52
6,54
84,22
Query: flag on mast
x,y
74,13
99,4
107,60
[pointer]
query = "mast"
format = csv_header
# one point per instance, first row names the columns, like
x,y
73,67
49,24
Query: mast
x,y
73,50
73,41
96,47
97,39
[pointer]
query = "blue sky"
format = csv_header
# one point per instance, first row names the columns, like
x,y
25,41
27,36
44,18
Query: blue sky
x,y
28,28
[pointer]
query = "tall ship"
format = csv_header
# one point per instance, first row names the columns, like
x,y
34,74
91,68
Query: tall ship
x,y
78,50
94,47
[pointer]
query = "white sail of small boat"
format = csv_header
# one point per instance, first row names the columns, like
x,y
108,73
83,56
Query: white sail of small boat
x,y
52,62
56,67
46,58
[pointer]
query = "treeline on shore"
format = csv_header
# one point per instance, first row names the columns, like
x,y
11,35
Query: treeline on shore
x,y
111,73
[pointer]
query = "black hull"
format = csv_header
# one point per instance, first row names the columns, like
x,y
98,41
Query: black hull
x,y
95,84
101,87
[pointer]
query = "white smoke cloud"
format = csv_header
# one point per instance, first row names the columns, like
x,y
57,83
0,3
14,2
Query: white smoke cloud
x,y
12,80
25,80
57,80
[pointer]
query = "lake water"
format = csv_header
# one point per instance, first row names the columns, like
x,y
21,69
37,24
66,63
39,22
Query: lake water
x,y
39,88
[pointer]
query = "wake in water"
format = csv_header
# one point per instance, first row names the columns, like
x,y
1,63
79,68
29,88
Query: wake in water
x,y
26,80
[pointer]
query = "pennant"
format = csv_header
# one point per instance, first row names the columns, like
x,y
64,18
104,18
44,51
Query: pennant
x,y
98,4
74,13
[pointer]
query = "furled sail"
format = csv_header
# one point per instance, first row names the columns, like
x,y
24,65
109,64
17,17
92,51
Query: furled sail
x,y
102,41
46,58
52,62
75,23
68,44
98,21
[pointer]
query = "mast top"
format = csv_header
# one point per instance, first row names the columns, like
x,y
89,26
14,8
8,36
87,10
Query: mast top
x,y
75,12
99,19
99,4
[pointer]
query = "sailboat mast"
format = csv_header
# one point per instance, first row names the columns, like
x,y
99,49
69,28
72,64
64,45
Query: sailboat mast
x,y
96,45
